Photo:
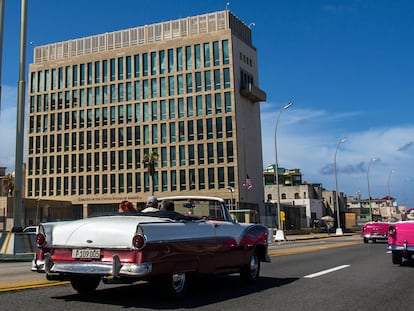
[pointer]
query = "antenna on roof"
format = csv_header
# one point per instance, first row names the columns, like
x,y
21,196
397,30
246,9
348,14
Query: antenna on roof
x,y
251,25
227,5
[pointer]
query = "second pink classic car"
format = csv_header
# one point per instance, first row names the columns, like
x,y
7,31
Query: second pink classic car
x,y
401,241
375,230
166,247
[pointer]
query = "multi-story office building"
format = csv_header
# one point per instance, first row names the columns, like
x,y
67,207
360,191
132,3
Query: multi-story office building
x,y
185,89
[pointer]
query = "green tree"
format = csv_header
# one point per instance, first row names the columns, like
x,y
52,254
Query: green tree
x,y
150,161
8,183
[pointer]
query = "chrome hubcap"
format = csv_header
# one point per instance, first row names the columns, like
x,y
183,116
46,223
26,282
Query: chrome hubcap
x,y
178,282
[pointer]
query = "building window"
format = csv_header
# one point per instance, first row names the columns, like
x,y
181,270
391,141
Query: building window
x,y
173,182
136,66
216,54
230,154
182,155
145,64
211,182
225,49
217,79
179,59
173,156
162,61
188,58
138,182
199,105
153,63
170,60
207,80
200,151
113,183
172,132
210,153
199,85
206,54
183,181
201,179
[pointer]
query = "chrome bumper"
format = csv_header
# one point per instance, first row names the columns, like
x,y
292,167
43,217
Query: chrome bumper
x,y
375,236
403,247
114,268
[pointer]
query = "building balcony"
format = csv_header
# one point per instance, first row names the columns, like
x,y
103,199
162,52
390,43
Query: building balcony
x,y
252,93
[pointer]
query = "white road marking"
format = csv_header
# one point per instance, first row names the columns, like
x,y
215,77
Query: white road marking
x,y
314,275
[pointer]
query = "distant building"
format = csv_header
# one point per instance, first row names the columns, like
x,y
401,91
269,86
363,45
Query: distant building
x,y
187,89
382,209
292,177
304,203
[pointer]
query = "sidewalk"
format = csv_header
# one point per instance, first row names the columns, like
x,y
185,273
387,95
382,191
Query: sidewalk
x,y
16,257
313,236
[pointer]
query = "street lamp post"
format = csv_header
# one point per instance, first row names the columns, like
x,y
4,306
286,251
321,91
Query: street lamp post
x,y
338,229
231,190
389,193
405,199
18,182
279,231
369,189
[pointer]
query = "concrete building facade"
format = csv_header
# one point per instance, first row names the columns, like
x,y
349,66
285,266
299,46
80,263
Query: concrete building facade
x,y
185,90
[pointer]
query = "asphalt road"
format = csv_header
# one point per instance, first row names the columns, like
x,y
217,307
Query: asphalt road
x,y
331,274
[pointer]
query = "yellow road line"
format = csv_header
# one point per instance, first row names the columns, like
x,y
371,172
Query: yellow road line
x,y
29,284
9,235
309,249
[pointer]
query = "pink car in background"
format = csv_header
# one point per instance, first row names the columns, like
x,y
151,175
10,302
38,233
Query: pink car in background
x,y
375,231
401,241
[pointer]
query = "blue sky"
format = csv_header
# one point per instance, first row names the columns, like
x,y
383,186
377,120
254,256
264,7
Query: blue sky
x,y
346,65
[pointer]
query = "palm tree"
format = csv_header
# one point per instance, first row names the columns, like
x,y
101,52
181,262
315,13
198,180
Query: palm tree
x,y
8,182
150,161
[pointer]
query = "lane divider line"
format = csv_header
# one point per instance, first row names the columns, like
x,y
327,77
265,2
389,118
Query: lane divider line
x,y
27,285
314,275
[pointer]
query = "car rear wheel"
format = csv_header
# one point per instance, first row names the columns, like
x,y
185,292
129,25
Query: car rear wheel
x,y
251,271
172,286
397,257
85,284
366,240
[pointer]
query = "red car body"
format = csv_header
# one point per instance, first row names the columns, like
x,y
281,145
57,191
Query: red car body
x,y
401,241
166,247
375,231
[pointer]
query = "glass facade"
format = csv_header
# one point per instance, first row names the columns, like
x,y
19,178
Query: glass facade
x,y
90,123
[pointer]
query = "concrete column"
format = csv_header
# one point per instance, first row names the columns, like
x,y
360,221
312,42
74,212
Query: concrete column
x,y
85,211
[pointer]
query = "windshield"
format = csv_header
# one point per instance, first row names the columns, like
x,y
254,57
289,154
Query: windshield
x,y
211,209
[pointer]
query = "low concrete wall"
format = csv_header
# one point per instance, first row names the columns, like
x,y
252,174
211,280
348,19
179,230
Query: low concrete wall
x,y
13,243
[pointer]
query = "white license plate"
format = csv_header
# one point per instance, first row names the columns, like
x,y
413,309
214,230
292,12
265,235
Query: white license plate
x,y
86,253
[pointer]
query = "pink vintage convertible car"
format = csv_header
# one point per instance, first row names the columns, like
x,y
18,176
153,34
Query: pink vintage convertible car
x,y
375,230
166,247
401,241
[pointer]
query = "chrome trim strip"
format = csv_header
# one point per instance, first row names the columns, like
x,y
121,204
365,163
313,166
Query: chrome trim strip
x,y
400,248
127,269
376,236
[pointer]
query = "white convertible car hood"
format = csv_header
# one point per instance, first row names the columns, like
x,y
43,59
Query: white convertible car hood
x,y
107,231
